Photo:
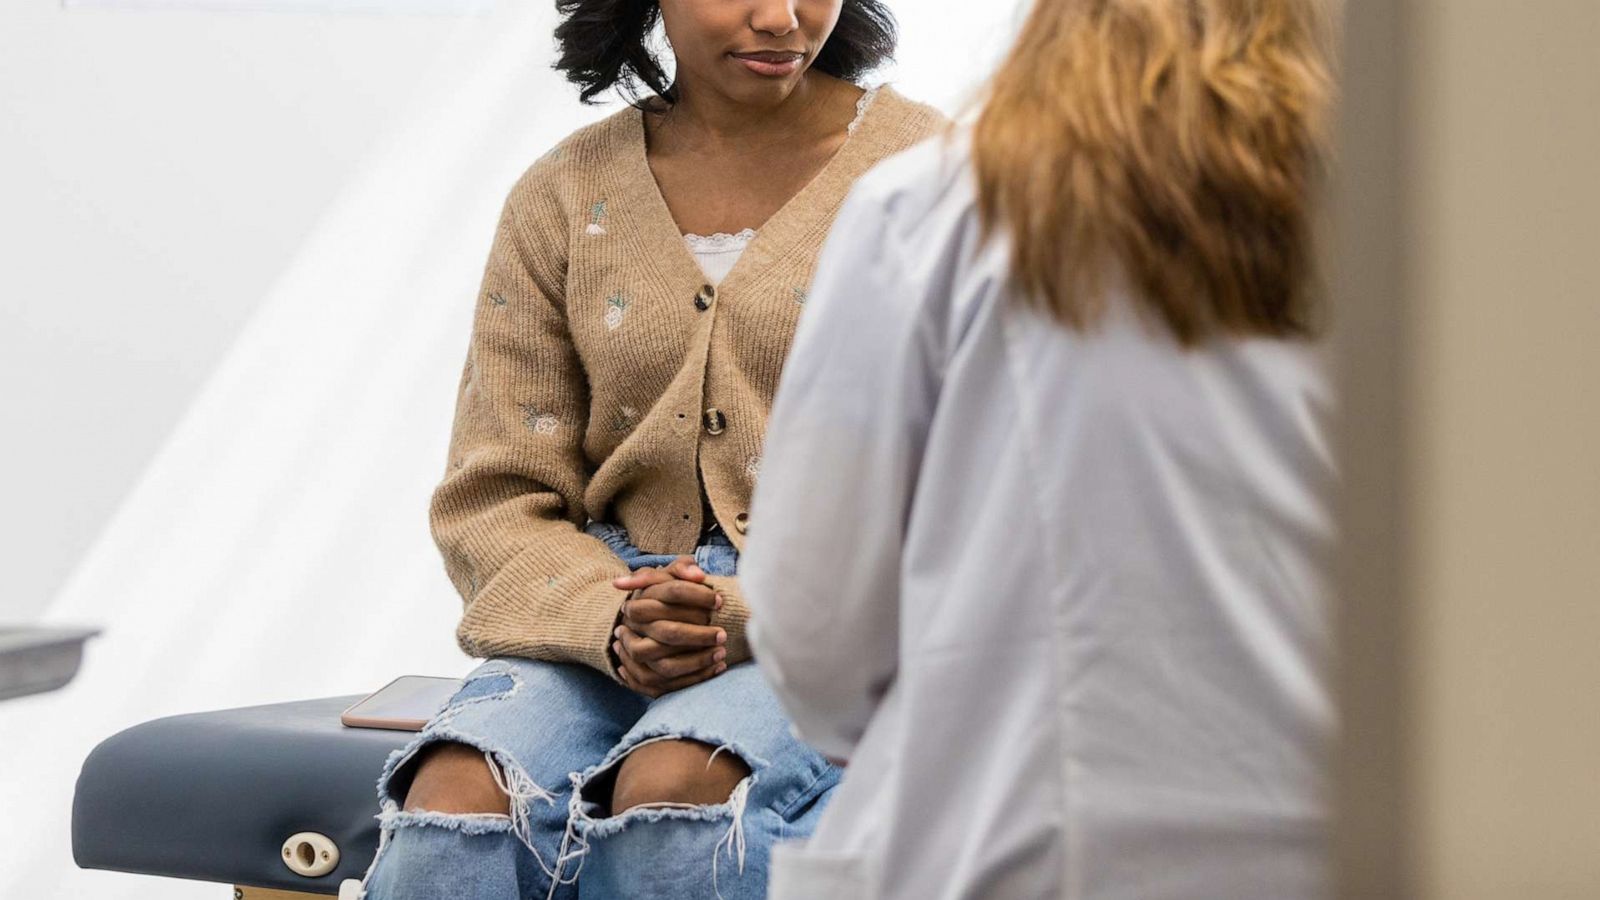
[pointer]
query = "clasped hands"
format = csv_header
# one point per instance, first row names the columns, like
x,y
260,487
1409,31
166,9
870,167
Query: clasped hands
x,y
664,639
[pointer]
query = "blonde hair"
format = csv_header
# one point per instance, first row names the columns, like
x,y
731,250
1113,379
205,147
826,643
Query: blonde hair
x,y
1180,139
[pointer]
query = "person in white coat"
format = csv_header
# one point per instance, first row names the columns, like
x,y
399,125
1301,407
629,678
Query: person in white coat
x,y
1040,537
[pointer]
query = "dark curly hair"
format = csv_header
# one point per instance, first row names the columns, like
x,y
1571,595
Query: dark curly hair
x,y
603,46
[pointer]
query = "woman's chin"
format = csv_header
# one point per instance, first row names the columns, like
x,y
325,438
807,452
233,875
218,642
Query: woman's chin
x,y
756,88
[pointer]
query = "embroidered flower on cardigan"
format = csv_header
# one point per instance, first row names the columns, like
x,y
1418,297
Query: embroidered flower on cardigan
x,y
539,421
497,298
752,467
625,418
800,296
597,216
615,307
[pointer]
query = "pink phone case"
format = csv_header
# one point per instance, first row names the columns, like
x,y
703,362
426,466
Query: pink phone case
x,y
404,704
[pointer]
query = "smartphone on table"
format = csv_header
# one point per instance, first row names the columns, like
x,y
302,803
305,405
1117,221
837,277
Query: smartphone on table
x,y
404,704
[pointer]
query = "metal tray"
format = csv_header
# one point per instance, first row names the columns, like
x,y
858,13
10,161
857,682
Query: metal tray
x,y
35,660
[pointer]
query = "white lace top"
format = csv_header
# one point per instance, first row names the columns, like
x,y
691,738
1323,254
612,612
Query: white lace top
x,y
718,252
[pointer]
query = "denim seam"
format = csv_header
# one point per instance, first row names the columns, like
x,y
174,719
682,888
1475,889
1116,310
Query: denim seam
x,y
803,794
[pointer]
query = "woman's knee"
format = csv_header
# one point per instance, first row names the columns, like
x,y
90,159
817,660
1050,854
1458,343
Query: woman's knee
x,y
676,771
453,777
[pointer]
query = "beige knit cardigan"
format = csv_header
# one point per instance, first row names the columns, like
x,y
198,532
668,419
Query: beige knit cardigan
x,y
606,380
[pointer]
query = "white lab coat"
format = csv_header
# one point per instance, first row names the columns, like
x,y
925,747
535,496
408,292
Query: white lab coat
x,y
1058,597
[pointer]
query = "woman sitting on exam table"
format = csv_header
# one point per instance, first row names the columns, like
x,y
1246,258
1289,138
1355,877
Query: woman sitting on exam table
x,y
1059,597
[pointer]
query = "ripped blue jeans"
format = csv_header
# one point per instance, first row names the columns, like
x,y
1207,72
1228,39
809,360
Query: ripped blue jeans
x,y
550,731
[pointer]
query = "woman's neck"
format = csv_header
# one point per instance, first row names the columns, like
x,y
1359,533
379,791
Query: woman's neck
x,y
704,119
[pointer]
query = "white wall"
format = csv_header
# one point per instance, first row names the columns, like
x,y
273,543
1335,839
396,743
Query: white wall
x,y
157,170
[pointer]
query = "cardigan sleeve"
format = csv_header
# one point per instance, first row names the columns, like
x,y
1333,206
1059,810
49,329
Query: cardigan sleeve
x,y
733,617
508,516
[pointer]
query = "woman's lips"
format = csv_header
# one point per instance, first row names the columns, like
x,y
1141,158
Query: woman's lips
x,y
771,65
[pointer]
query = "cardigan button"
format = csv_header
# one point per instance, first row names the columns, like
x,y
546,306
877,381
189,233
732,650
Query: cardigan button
x,y
703,299
716,422
741,522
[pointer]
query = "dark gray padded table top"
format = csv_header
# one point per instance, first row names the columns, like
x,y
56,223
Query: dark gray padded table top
x,y
213,795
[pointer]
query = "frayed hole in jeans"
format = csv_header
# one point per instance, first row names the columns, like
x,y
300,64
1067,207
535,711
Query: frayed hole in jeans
x,y
585,818
509,776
